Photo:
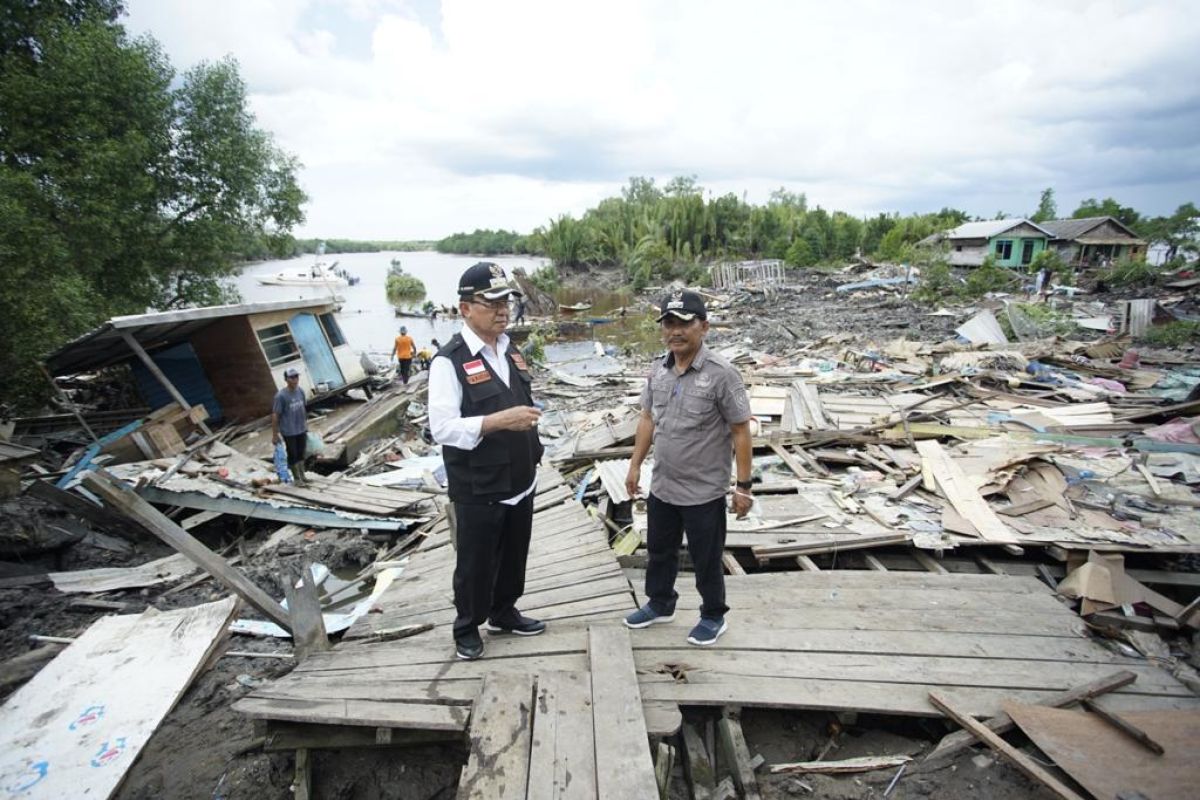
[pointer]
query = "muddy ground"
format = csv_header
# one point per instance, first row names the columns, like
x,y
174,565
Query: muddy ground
x,y
205,750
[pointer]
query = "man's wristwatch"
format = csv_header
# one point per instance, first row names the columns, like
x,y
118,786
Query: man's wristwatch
x,y
744,485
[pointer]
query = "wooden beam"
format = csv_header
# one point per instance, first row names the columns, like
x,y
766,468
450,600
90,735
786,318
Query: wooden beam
x,y
807,564
141,353
737,756
873,562
1014,756
960,740
730,562
121,497
304,608
1124,726
698,769
302,780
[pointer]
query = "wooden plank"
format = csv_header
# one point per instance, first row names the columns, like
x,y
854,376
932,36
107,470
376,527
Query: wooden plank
x,y
698,768
357,712
928,563
737,755
731,565
792,463
562,764
88,714
960,740
198,519
624,770
873,563
500,741
120,496
807,564
961,493
304,611
1124,726
1010,753
302,776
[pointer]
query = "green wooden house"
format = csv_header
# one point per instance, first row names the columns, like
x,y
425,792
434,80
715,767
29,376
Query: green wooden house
x,y
1011,242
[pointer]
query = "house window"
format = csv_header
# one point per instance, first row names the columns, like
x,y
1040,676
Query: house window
x,y
278,344
1004,249
333,331
958,248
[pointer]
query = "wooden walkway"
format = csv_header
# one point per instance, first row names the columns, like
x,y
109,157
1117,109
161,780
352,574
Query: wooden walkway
x,y
880,641
839,640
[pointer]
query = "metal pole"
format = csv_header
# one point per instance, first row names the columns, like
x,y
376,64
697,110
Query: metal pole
x,y
67,402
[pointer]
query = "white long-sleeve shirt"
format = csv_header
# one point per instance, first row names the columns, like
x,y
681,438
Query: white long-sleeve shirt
x,y
446,422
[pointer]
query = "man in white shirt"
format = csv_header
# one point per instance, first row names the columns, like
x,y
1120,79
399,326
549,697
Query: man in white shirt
x,y
481,411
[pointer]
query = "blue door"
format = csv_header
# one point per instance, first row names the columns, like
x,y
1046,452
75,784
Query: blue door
x,y
318,355
182,368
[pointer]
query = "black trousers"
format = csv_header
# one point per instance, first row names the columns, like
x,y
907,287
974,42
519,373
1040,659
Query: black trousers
x,y
296,447
489,575
705,526
405,369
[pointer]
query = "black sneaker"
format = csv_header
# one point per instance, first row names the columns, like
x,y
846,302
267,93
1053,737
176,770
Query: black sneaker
x,y
516,623
469,646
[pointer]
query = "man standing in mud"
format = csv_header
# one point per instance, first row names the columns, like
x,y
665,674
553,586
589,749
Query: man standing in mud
x,y
696,412
403,351
481,411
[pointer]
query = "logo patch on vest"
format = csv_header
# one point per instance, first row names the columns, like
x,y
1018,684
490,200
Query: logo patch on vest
x,y
519,360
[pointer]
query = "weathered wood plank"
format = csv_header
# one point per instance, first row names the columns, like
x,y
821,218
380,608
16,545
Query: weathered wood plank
x,y
624,770
500,741
562,764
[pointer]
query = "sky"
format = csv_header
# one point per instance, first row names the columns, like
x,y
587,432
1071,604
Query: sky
x,y
414,119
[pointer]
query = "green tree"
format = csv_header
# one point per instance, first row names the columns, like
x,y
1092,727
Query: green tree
x,y
1180,232
1107,207
121,189
1047,209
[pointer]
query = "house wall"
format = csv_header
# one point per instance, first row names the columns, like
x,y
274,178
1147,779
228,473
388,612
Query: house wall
x,y
1018,246
236,368
347,360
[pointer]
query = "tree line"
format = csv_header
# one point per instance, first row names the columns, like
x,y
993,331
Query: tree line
x,y
662,233
123,186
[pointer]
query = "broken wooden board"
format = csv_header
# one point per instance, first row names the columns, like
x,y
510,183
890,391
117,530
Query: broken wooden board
x,y
500,742
627,773
77,727
107,579
959,490
1106,762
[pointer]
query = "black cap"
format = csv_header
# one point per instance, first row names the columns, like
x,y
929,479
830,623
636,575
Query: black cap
x,y
486,279
683,304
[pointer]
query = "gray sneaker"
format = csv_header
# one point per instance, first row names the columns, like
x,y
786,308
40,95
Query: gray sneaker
x,y
646,616
707,631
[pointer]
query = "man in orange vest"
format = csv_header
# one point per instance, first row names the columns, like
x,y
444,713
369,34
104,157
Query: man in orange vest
x,y
403,352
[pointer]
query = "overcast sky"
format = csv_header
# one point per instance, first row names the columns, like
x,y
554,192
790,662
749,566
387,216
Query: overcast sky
x,y
418,118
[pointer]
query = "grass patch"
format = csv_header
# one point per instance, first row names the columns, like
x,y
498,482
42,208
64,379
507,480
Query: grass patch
x,y
1173,334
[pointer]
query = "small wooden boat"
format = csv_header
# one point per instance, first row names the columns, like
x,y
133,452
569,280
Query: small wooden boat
x,y
581,306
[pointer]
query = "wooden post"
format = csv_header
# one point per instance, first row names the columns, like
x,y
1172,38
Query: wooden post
x,y
737,755
302,781
124,499
67,402
697,767
141,353
304,608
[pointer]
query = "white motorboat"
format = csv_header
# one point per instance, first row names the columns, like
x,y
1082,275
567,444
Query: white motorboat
x,y
317,275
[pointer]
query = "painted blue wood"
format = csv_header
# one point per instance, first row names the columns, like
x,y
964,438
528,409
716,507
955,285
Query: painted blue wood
x,y
95,448
182,368
318,355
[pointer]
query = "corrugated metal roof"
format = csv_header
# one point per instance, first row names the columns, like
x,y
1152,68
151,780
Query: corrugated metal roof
x,y
1071,229
612,477
105,345
988,228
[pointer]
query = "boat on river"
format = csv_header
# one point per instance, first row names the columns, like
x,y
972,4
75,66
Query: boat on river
x,y
317,275
581,306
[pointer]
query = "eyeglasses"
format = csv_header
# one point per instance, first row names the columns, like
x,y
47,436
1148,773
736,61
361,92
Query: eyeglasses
x,y
494,305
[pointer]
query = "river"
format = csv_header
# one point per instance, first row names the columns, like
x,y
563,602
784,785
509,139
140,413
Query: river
x,y
368,319
370,323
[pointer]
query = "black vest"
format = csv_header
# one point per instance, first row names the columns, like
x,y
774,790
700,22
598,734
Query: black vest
x,y
504,463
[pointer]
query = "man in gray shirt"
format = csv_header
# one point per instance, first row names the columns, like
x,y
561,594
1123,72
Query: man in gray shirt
x,y
289,423
695,411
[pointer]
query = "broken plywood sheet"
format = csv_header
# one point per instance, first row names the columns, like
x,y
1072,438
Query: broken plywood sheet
x,y
983,328
960,491
1106,761
77,727
107,579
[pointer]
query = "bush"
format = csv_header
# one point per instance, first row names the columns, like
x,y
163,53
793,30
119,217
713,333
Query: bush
x,y
401,286
1050,259
1129,272
989,278
545,278
1173,334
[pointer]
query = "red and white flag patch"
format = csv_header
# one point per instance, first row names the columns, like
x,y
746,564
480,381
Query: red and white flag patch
x,y
474,367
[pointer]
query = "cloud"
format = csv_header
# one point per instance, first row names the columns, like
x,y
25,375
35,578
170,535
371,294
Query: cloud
x,y
416,119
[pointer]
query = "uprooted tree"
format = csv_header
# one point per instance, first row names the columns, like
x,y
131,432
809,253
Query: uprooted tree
x,y
120,189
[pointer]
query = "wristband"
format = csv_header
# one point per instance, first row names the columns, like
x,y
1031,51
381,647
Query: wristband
x,y
744,484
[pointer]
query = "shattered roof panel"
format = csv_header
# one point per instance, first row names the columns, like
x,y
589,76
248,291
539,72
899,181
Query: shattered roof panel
x,y
105,345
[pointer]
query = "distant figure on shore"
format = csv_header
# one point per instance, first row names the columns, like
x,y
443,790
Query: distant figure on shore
x,y
403,351
520,311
